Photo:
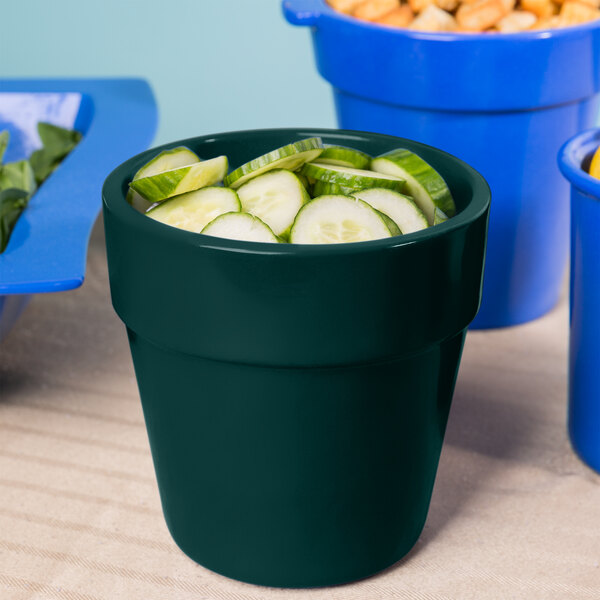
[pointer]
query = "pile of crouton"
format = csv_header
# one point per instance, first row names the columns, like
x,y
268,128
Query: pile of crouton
x,y
472,16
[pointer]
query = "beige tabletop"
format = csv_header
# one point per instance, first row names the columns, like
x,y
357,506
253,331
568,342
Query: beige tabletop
x,y
514,514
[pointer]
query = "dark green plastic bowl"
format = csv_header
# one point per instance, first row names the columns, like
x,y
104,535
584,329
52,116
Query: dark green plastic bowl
x,y
296,397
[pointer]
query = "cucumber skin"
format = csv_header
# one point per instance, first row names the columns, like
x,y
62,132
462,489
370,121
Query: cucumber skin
x,y
345,157
155,189
324,188
389,222
425,175
350,180
164,154
167,184
439,216
239,176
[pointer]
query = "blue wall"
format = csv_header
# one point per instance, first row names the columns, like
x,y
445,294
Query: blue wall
x,y
217,65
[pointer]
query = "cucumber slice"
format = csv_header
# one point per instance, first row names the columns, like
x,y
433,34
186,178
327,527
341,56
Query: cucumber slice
x,y
345,157
353,178
289,157
240,226
391,225
423,182
164,161
304,181
167,160
439,216
140,204
195,210
324,188
404,212
337,219
167,184
274,197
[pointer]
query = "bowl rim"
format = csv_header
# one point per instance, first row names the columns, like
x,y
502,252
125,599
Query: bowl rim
x,y
570,158
114,201
326,10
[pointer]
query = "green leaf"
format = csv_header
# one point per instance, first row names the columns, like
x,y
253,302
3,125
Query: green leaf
x,y
43,163
57,141
18,175
12,204
4,137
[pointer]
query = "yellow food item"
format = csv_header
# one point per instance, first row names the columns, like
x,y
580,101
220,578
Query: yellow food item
x,y
516,20
345,6
399,17
433,18
574,12
374,9
419,5
543,9
481,15
447,5
595,165
472,16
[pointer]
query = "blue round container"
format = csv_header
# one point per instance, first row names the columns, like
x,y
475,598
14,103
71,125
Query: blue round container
x,y
502,103
584,342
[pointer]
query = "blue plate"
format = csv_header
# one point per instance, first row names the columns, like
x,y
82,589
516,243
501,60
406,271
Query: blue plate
x,y
48,247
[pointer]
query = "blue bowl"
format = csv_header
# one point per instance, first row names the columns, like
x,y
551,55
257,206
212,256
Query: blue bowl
x,y
584,339
502,103
48,247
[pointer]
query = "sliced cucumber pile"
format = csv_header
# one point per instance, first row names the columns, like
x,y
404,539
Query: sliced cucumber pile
x,y
358,179
345,157
301,193
423,182
240,226
165,161
289,157
193,211
337,219
167,184
274,197
400,208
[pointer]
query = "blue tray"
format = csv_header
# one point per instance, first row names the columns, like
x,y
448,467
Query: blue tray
x,y
48,248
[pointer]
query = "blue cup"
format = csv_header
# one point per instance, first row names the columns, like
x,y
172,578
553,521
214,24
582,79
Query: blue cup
x,y
502,103
584,339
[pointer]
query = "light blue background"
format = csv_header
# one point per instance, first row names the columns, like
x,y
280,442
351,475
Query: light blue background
x,y
215,65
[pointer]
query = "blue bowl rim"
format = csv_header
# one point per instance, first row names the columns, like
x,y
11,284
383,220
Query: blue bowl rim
x,y
114,200
570,157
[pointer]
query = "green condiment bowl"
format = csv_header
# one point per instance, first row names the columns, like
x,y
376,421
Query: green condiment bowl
x,y
296,397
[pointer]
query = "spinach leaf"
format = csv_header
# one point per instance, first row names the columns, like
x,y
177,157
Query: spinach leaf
x,y
57,143
57,140
20,179
12,204
18,175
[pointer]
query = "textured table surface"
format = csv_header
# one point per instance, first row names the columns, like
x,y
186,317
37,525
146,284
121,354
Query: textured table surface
x,y
514,513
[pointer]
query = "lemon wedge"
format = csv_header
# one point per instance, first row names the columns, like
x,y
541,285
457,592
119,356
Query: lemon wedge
x,y
595,165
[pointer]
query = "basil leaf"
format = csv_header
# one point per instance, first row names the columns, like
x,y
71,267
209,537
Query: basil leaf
x,y
12,204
